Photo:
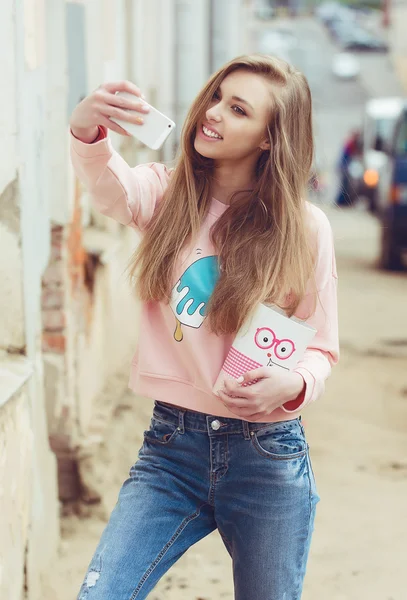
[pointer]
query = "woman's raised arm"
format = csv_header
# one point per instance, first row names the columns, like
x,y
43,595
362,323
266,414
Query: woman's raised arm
x,y
128,195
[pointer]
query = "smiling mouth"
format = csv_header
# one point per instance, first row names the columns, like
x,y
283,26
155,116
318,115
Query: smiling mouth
x,y
273,364
211,134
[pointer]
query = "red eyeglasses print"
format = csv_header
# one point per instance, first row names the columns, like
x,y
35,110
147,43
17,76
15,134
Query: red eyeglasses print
x,y
265,339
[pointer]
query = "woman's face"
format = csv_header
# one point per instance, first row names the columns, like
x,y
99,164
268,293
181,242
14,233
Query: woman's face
x,y
234,126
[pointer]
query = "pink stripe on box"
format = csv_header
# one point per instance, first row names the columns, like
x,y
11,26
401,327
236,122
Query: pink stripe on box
x,y
237,363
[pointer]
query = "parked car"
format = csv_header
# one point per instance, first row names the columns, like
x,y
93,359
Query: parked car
x,y
345,66
327,10
359,40
346,25
379,121
331,12
341,26
392,197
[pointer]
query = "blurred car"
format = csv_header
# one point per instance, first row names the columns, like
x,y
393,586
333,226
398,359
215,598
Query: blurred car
x,y
347,26
332,12
392,197
379,121
345,66
359,40
327,11
342,25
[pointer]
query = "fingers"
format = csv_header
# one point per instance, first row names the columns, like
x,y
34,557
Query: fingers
x,y
113,126
124,102
234,399
121,115
235,404
122,86
256,374
232,387
238,406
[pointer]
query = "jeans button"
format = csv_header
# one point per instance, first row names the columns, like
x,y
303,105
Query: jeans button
x,y
215,424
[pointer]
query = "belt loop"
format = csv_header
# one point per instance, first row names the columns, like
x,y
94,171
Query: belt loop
x,y
246,431
181,427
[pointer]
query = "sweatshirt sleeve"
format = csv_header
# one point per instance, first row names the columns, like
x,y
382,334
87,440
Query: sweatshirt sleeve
x,y
323,353
128,195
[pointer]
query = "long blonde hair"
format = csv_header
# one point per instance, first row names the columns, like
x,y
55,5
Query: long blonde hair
x,y
262,239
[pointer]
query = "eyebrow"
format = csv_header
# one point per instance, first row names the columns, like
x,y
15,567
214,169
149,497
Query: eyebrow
x,y
238,99
243,101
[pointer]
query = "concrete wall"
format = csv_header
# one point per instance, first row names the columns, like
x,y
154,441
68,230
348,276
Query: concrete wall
x,y
86,337
29,499
15,489
68,321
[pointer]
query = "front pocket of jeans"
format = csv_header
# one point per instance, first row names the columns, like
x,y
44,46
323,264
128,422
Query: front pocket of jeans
x,y
161,432
280,442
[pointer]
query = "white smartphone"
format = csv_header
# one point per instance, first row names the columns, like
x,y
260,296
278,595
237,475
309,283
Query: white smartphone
x,y
155,129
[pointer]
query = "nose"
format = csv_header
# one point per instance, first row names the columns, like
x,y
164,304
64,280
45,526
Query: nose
x,y
212,114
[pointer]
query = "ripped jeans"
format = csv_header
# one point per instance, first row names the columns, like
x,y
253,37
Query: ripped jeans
x,y
196,473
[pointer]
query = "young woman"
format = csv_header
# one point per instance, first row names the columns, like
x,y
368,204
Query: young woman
x,y
227,229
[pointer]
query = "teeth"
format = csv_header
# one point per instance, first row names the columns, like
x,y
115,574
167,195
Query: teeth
x,y
210,133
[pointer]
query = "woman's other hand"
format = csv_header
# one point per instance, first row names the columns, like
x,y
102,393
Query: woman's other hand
x,y
270,388
102,104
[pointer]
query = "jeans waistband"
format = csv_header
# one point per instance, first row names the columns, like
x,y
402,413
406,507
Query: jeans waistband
x,y
197,421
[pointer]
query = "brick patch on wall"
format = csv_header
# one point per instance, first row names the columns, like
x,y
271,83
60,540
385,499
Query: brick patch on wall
x,y
67,302
53,309
65,284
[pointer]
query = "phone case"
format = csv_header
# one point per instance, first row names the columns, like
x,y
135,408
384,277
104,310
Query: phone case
x,y
155,129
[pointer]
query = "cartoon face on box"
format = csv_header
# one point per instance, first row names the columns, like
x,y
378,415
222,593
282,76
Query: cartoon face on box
x,y
263,346
272,339
269,339
278,350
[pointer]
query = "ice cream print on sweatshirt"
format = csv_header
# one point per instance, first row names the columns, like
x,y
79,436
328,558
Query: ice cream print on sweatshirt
x,y
191,293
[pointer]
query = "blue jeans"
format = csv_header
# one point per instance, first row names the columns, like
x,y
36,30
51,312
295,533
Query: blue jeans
x,y
196,473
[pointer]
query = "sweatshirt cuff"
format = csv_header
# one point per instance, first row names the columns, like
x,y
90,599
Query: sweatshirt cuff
x,y
305,395
99,146
101,135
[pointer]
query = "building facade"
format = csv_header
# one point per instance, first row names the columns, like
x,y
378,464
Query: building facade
x,y
68,321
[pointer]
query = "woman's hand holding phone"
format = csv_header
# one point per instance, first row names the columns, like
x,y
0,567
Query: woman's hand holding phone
x,y
97,109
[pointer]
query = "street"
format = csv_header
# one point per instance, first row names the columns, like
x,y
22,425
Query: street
x,y
357,432
338,105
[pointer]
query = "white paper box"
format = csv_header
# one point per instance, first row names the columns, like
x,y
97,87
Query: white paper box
x,y
268,339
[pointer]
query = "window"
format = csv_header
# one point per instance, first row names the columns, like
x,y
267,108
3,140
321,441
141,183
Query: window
x,y
401,137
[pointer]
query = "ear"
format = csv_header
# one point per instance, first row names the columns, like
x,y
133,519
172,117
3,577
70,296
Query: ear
x,y
265,145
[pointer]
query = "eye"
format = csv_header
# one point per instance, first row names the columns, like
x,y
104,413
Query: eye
x,y
284,349
264,338
238,110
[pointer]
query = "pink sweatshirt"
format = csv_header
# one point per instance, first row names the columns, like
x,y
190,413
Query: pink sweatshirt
x,y
183,371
